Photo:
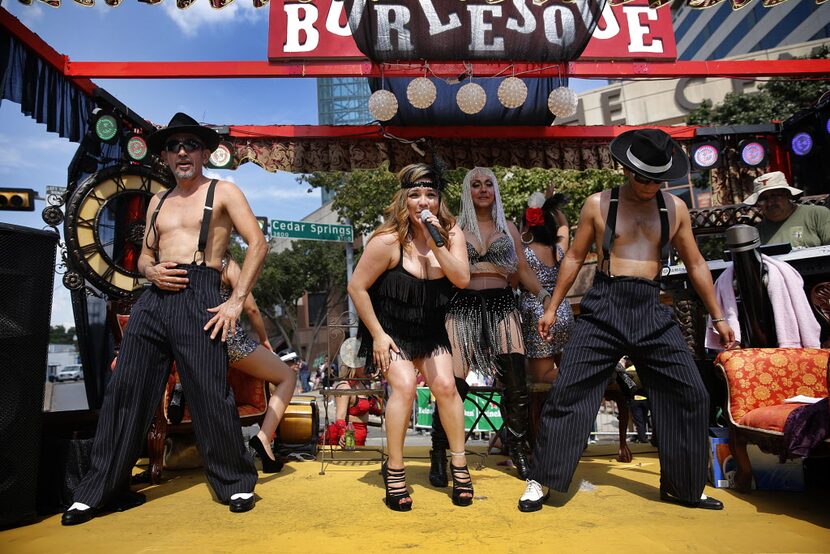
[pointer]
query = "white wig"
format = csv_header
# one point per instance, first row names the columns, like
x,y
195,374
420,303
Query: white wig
x,y
467,219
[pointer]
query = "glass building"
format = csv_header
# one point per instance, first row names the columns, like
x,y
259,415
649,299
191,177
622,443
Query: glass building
x,y
721,32
342,101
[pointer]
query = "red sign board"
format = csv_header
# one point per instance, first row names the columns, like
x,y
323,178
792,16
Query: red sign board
x,y
318,30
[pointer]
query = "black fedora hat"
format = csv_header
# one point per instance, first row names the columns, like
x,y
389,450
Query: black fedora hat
x,y
179,124
650,153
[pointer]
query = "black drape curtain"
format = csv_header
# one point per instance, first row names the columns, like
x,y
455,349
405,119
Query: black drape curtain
x,y
43,93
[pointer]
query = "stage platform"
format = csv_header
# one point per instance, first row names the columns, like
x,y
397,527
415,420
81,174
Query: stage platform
x,y
611,507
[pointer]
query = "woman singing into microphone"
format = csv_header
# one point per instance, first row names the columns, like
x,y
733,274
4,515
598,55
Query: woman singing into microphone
x,y
401,288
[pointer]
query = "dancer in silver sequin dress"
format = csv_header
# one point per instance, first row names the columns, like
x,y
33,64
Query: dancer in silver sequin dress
x,y
259,361
546,232
483,319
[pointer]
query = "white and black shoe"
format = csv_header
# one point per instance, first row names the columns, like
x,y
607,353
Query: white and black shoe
x,y
534,496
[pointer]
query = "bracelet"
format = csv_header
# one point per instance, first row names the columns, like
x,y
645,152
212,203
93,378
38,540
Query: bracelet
x,y
541,295
718,320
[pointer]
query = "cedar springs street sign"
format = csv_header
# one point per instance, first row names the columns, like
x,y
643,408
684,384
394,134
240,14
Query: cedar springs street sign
x,y
311,231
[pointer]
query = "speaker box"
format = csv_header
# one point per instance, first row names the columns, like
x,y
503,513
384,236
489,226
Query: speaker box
x,y
27,269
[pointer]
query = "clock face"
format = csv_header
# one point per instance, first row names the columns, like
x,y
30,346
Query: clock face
x,y
104,229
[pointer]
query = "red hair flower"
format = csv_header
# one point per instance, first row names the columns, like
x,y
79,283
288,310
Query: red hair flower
x,y
535,217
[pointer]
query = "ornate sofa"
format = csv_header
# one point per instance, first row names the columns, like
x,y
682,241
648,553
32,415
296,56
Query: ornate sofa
x,y
758,381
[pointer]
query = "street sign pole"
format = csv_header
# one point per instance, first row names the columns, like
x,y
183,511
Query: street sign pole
x,y
349,269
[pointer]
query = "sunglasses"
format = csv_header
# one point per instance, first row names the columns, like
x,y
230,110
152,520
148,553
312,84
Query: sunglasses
x,y
189,145
646,181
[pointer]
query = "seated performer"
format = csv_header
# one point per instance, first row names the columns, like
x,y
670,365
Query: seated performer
x,y
354,410
259,361
633,227
400,288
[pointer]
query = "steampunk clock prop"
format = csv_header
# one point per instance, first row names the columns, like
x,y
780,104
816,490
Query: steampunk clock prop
x,y
104,228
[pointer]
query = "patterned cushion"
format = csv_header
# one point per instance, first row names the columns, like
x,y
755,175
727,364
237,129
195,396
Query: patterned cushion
x,y
760,377
771,418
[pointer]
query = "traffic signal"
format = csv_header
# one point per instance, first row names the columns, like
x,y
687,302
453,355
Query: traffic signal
x,y
263,224
22,200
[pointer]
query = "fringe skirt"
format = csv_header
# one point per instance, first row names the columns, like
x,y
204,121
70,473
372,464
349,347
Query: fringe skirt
x,y
483,324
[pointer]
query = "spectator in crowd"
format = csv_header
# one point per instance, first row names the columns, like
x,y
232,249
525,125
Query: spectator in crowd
x,y
785,220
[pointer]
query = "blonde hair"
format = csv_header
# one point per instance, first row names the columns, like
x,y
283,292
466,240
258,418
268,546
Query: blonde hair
x,y
467,218
396,215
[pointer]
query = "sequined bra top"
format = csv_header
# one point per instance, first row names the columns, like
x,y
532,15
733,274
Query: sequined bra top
x,y
500,257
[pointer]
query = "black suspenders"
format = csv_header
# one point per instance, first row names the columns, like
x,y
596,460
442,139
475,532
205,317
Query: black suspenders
x,y
206,216
203,232
610,228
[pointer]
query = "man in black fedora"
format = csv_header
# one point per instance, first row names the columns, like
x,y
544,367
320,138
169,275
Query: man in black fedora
x,y
181,318
633,227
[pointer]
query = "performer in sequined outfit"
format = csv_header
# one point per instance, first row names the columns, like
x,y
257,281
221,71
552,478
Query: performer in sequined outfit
x,y
259,361
400,288
543,241
483,320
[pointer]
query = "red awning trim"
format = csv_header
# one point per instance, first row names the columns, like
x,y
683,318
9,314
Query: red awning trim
x,y
738,69
43,50
378,133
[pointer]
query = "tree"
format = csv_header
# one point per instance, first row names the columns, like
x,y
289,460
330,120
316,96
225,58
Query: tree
x,y
58,334
361,195
775,100
309,266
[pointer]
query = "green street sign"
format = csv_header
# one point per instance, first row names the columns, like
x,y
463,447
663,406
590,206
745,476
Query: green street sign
x,y
311,231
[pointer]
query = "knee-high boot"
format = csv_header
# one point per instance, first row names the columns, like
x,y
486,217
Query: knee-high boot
x,y
515,409
440,444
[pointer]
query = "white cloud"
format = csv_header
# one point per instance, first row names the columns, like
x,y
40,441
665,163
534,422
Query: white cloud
x,y
276,193
225,176
200,14
31,14
26,153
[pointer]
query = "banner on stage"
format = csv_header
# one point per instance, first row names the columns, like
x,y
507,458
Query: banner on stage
x,y
473,405
448,30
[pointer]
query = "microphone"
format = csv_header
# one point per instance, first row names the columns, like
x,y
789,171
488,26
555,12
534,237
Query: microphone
x,y
436,236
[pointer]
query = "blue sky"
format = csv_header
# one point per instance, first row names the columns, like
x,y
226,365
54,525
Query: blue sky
x,y
32,158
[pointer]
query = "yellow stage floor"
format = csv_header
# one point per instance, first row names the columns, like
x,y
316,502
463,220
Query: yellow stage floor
x,y
616,509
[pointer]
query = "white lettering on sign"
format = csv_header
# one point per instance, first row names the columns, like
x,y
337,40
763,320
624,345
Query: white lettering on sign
x,y
388,23
611,27
435,25
478,28
295,24
637,30
559,25
528,21
333,20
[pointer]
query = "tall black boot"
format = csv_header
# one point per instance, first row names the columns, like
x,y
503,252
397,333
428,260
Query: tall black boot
x,y
440,444
515,409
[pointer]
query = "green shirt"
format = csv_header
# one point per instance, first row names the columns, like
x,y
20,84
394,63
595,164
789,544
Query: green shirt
x,y
807,226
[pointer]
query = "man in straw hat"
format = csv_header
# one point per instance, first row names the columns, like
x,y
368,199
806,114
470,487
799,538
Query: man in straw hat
x,y
180,318
633,227
784,219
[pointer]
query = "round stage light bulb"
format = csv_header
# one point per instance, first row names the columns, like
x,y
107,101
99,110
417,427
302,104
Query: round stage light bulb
x,y
421,93
562,102
383,105
106,127
137,148
801,144
512,92
471,98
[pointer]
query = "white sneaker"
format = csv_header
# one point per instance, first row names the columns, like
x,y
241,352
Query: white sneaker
x,y
534,496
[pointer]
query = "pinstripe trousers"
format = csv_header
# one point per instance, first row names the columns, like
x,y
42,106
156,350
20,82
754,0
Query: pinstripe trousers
x,y
623,316
166,326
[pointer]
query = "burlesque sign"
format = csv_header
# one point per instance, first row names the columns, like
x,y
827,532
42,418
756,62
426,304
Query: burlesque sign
x,y
449,30
472,30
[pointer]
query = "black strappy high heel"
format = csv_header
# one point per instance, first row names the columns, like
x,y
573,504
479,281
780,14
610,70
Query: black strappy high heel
x,y
268,465
395,496
462,483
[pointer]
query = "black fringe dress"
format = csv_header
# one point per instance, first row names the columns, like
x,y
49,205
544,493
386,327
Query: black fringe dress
x,y
411,311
